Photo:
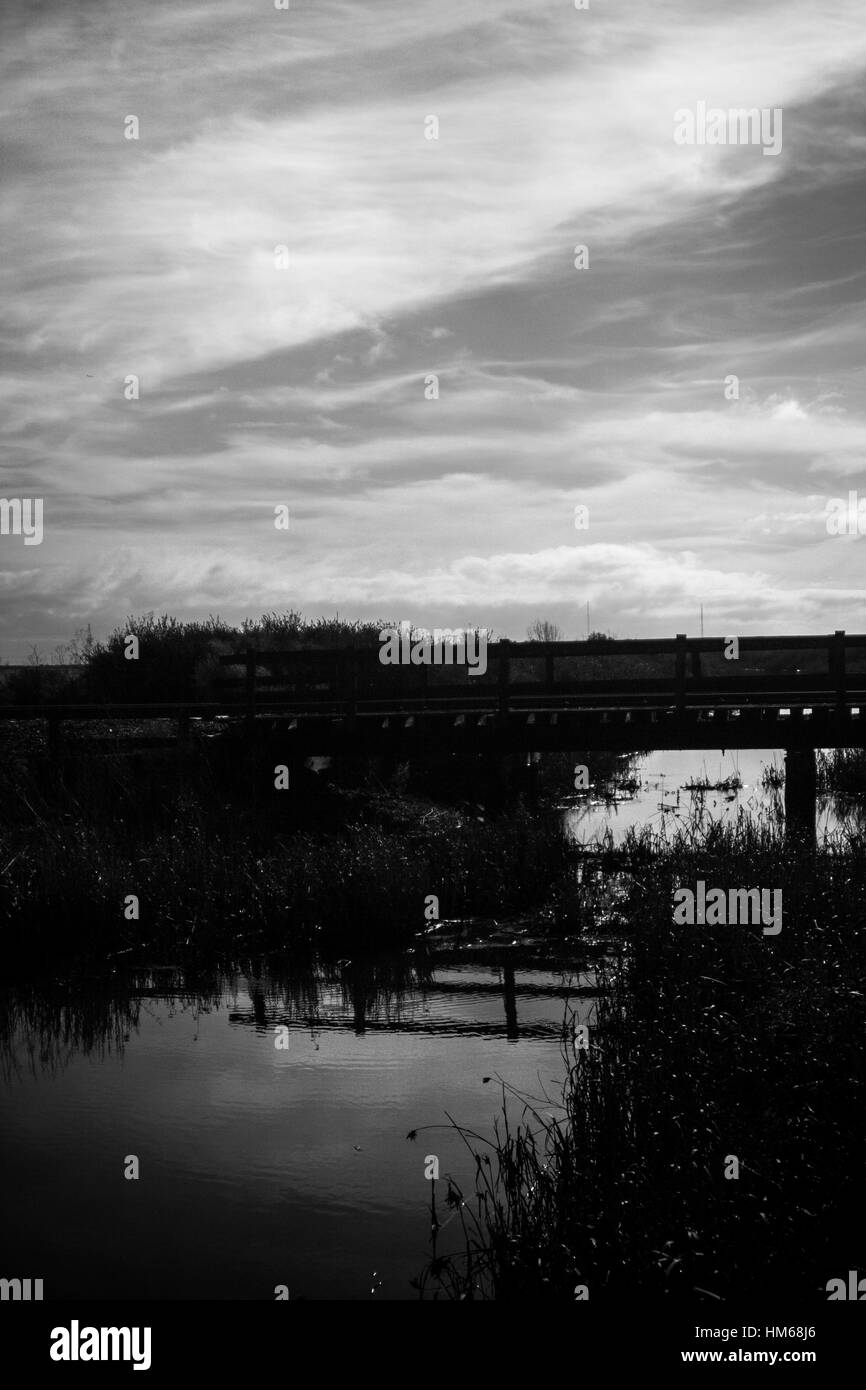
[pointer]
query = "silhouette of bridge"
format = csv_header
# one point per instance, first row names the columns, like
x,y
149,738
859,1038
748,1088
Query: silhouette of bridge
x,y
632,695
588,695
798,693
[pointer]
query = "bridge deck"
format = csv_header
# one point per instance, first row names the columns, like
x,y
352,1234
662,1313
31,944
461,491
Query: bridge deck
x,y
631,695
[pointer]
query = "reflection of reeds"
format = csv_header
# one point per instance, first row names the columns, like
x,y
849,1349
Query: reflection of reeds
x,y
41,1030
712,1041
43,1026
842,772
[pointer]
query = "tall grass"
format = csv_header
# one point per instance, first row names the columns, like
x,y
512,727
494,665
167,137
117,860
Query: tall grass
x,y
708,1042
217,864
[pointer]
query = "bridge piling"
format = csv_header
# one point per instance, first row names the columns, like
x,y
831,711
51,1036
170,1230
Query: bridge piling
x,y
836,664
504,675
680,673
801,787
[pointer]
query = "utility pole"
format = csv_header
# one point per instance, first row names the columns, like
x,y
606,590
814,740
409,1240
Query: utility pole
x,y
587,620
702,620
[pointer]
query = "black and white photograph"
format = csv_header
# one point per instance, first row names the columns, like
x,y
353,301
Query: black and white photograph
x,y
432,676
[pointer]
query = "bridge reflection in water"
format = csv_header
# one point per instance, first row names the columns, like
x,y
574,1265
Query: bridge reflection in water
x,y
44,1027
260,1166
357,998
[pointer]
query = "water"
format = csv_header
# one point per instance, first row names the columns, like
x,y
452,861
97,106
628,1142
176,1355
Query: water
x,y
262,1166
258,1166
663,802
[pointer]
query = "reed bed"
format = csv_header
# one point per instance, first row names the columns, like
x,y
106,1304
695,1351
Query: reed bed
x,y
842,773
708,1043
218,868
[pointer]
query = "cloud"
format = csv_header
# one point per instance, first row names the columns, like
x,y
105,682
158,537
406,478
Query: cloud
x,y
406,256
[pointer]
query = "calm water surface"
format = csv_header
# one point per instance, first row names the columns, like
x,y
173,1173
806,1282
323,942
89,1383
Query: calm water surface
x,y
664,802
258,1166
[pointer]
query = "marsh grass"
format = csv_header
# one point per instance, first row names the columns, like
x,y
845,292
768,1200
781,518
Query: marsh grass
x,y
707,1042
720,784
220,867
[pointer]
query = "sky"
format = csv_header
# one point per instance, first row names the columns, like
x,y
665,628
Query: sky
x,y
284,260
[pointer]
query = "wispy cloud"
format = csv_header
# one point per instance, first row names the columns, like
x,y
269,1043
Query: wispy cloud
x,y
409,257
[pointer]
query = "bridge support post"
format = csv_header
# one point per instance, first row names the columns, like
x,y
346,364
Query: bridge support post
x,y
680,673
504,676
836,664
250,691
801,787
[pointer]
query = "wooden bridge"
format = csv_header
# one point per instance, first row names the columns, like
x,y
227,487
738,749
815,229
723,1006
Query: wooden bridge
x,y
793,692
633,695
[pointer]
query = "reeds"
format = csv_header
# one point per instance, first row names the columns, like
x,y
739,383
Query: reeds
x,y
708,1043
842,772
218,867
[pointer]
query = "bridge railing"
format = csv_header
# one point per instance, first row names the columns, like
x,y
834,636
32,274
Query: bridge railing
x,y
683,670
678,672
